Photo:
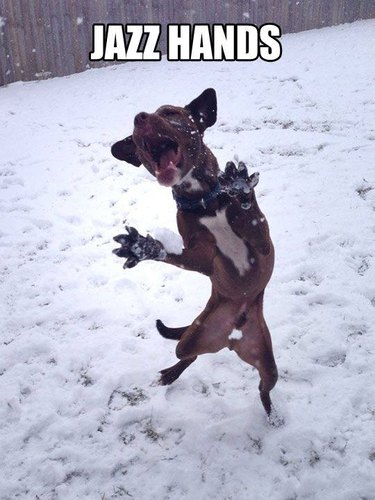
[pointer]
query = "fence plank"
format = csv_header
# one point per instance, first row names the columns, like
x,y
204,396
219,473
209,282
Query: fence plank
x,y
41,38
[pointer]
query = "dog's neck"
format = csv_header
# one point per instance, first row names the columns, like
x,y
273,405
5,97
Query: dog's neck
x,y
190,205
201,180
199,186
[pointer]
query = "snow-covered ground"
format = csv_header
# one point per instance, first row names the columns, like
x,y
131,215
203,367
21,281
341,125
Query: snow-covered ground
x,y
81,415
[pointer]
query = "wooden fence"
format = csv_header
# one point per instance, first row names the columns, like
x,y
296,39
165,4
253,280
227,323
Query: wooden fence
x,y
44,38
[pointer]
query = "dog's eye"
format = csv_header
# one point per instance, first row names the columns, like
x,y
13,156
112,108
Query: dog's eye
x,y
168,113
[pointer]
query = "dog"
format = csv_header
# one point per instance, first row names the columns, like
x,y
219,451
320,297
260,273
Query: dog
x,y
225,235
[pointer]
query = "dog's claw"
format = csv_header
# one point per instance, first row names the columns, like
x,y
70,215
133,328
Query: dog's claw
x,y
230,170
133,233
242,170
130,262
119,252
253,180
120,238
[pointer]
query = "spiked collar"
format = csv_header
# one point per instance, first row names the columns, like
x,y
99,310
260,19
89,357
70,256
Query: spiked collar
x,y
187,205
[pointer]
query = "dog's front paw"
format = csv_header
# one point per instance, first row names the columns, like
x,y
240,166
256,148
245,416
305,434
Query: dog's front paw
x,y
237,183
135,247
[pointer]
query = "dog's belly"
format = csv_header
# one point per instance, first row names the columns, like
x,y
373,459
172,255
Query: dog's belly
x,y
229,244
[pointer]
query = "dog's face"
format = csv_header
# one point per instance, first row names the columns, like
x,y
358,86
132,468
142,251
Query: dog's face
x,y
169,141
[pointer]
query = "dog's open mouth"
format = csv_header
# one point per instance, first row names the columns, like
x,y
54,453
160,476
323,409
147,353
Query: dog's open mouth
x,y
166,155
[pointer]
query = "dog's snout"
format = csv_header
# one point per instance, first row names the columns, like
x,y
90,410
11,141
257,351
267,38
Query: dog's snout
x,y
141,119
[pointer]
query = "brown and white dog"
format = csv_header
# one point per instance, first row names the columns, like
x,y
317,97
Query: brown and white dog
x,y
225,236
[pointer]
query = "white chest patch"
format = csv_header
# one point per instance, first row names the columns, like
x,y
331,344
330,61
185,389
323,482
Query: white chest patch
x,y
227,241
195,185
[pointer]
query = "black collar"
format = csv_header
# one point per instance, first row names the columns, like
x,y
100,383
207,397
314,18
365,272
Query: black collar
x,y
187,205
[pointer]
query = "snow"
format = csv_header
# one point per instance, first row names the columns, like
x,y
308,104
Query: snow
x,y
172,242
235,335
81,415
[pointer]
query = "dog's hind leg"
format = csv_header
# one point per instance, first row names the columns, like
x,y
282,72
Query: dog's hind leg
x,y
208,333
255,348
176,333
169,375
261,357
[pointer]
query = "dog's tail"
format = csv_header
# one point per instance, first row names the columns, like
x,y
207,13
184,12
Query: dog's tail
x,y
170,333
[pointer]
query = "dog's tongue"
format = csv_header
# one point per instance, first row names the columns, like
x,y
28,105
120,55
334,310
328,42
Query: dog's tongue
x,y
166,171
167,158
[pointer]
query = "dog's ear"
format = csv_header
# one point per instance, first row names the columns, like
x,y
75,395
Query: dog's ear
x,y
126,150
203,109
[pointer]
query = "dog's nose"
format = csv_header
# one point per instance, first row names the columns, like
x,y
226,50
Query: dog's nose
x,y
141,119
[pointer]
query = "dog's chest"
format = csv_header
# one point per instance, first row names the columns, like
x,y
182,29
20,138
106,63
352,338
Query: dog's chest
x,y
229,244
